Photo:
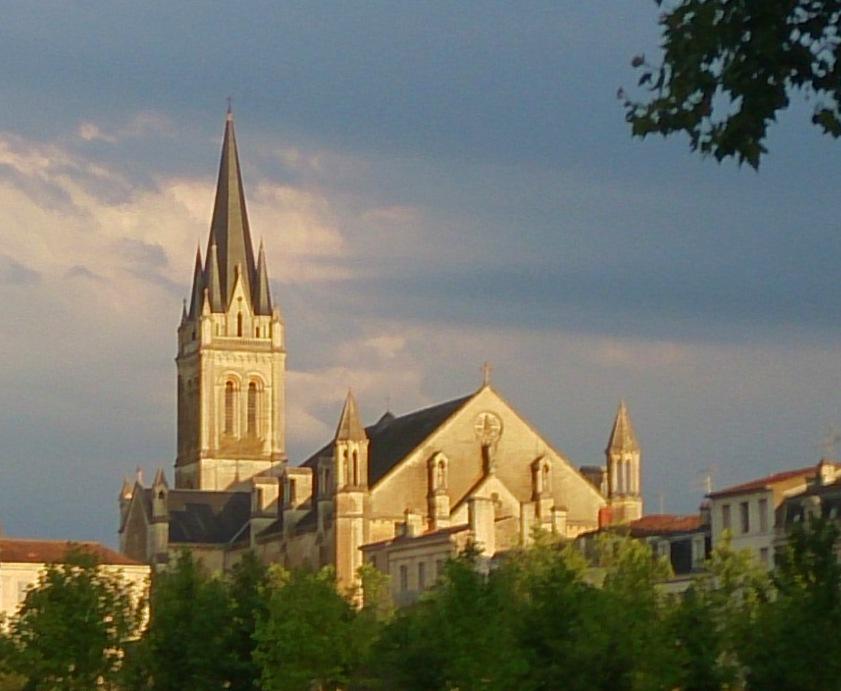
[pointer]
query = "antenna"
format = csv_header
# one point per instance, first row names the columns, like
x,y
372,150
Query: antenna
x,y
705,479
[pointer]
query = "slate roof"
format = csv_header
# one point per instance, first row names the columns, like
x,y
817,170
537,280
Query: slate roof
x,y
23,551
207,517
350,428
622,436
229,229
793,508
391,440
423,537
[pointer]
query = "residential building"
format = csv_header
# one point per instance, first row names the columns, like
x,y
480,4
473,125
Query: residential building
x,y
746,513
22,561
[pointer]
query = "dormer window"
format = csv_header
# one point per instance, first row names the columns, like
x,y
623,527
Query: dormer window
x,y
438,472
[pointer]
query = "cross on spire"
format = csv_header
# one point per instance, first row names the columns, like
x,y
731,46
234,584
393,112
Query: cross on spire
x,y
230,100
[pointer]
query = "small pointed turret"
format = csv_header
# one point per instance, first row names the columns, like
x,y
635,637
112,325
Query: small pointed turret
x,y
160,479
262,296
622,437
229,227
198,287
214,288
127,489
350,428
624,477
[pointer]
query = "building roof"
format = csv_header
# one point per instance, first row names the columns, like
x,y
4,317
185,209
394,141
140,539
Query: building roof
x,y
430,535
197,294
622,436
262,293
229,231
391,440
350,428
662,524
206,516
766,482
25,551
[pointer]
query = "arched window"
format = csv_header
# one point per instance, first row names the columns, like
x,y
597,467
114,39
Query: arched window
x,y
239,323
355,469
229,407
345,468
251,417
547,482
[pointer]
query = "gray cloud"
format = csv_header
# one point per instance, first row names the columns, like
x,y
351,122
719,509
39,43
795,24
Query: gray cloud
x,y
532,231
14,273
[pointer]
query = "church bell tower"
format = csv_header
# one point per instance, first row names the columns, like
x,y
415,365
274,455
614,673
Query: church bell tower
x,y
623,469
231,355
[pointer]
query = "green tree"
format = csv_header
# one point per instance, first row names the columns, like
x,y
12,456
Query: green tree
x,y
729,67
558,613
713,624
792,646
188,641
307,639
626,618
72,628
462,634
247,586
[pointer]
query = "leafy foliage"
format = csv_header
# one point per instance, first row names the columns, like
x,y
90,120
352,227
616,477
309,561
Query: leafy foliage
x,y
72,628
248,588
542,618
188,642
791,646
308,637
730,66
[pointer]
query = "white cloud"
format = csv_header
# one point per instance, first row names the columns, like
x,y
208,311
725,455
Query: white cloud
x,y
89,131
142,124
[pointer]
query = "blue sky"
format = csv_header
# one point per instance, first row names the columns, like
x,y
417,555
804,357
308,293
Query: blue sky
x,y
437,184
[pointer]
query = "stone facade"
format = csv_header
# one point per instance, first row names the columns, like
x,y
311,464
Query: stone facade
x,y
231,357
471,469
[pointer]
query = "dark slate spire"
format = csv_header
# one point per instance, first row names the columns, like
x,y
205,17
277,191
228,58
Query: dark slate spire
x,y
212,280
350,428
229,226
622,437
198,287
262,296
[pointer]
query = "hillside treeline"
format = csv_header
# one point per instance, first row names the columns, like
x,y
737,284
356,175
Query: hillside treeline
x,y
540,619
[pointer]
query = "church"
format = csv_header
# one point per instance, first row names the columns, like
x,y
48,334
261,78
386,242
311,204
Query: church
x,y
402,494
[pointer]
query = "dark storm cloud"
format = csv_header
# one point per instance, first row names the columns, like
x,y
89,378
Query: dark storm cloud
x,y
539,221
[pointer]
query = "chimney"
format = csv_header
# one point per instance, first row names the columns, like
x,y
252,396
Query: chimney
x,y
413,525
480,512
826,471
